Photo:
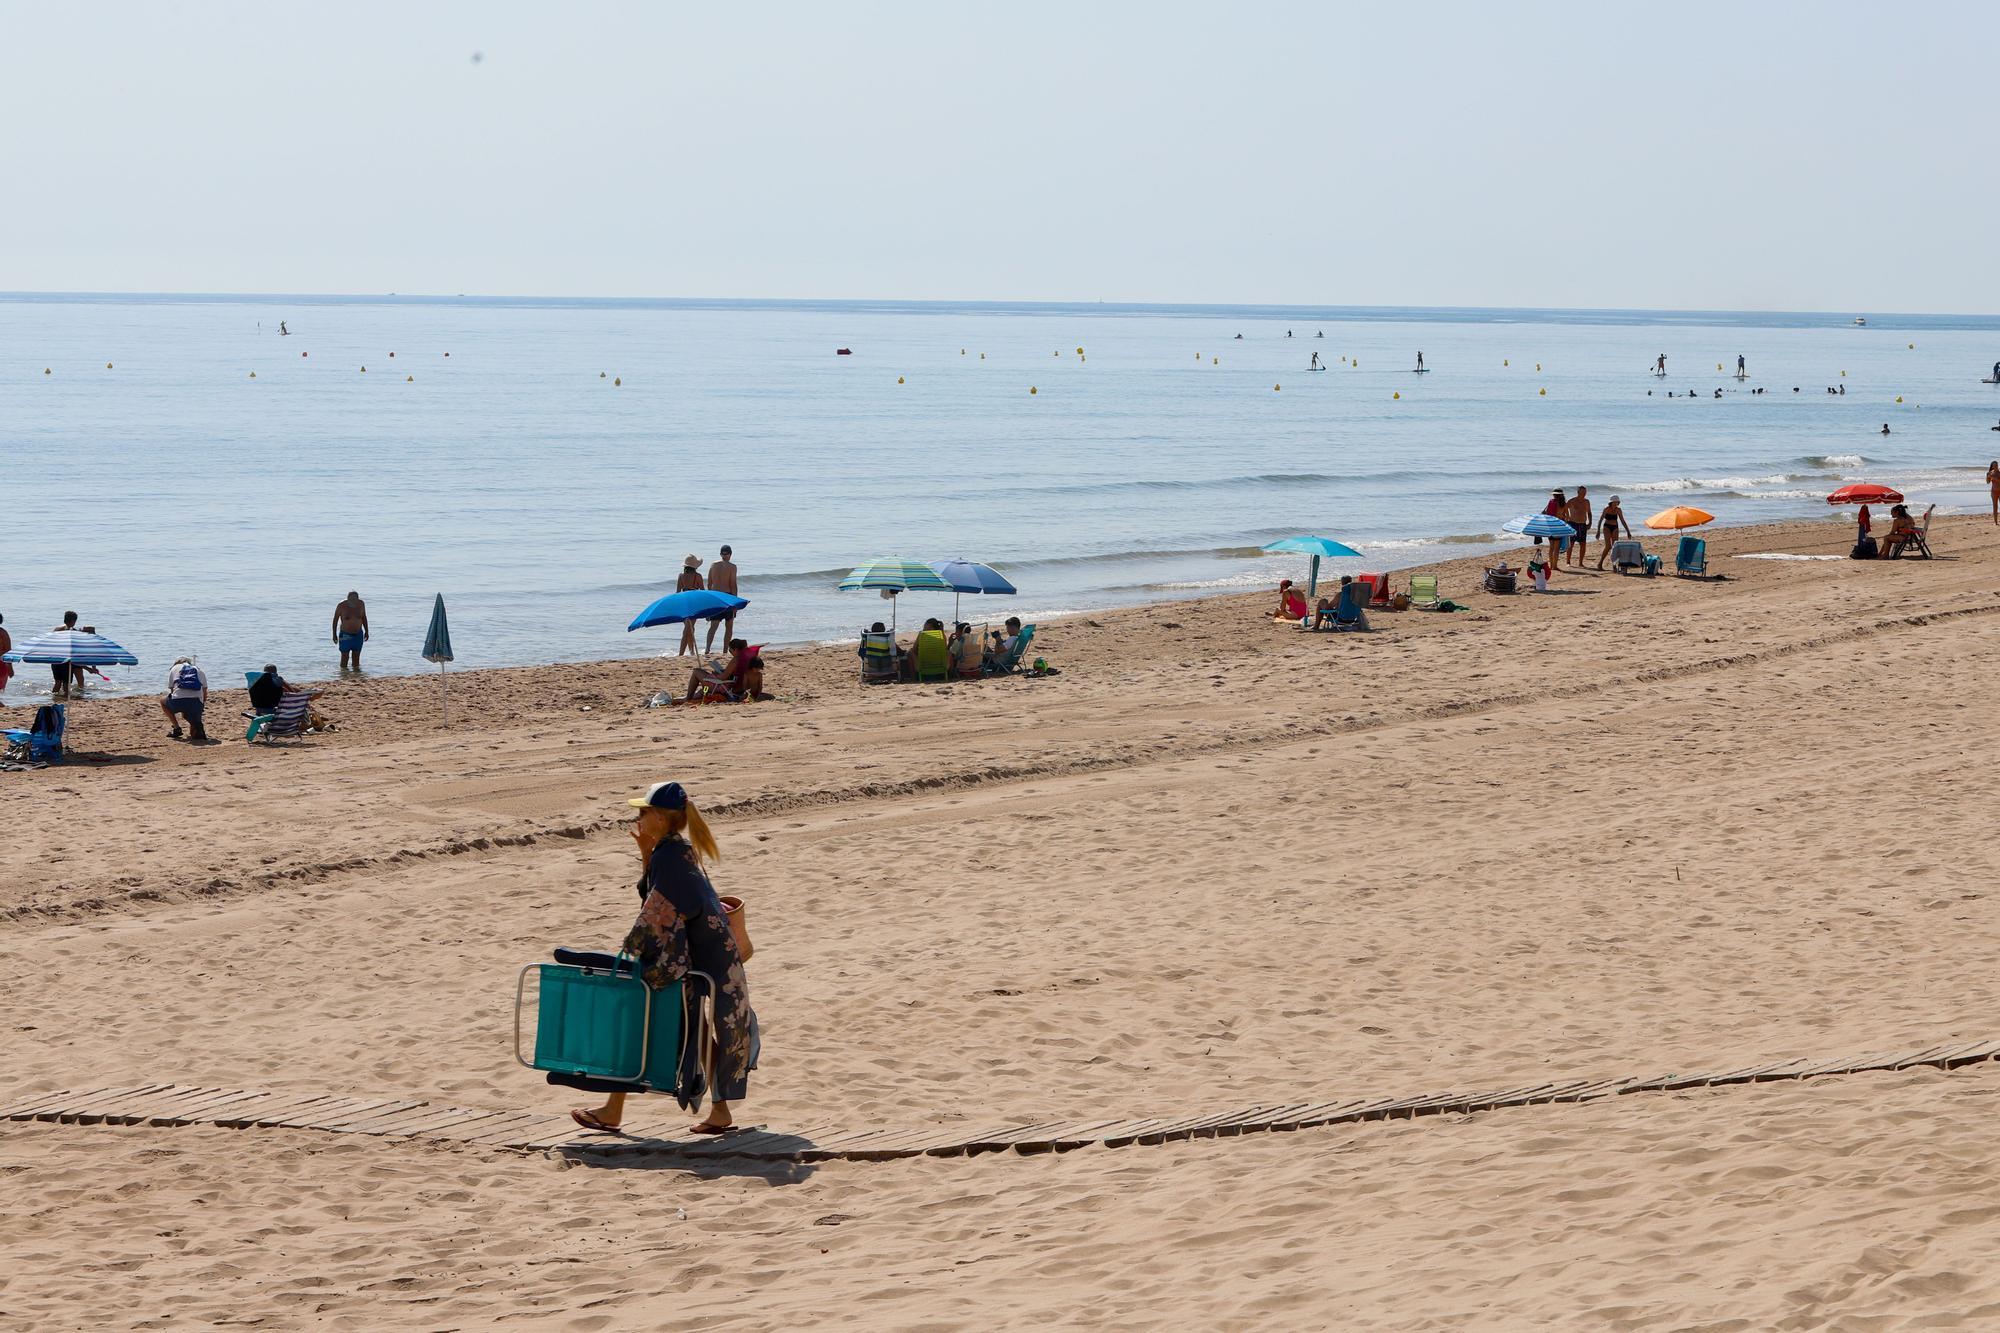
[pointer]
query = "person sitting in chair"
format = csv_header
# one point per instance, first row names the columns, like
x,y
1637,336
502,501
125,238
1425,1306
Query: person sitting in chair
x,y
995,658
1902,530
740,679
966,657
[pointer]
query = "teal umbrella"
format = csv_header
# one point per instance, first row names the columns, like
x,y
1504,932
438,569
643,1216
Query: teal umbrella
x,y
1316,547
892,575
437,648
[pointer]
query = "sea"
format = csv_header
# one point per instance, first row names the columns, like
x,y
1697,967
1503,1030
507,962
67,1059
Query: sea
x,y
211,474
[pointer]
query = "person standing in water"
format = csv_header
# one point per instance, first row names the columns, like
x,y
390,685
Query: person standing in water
x,y
283,332
350,630
1315,361
689,581
1740,372
722,578
1420,360
1660,366
1992,485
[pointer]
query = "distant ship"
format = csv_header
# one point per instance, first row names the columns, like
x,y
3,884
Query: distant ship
x,y
1860,323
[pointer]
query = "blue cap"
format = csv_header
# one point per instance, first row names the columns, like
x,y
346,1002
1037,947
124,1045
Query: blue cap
x,y
661,796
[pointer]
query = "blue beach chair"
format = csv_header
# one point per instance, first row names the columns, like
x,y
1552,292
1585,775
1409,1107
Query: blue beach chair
x,y
599,1027
1349,609
1692,558
1010,662
42,742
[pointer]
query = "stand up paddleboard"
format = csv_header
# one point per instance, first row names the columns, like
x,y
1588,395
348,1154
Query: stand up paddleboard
x,y
1739,375
1989,380
1315,368
1421,370
1657,374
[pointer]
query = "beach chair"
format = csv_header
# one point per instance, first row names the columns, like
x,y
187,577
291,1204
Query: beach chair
x,y
1348,608
293,716
878,658
1920,538
1501,581
1627,556
1011,661
599,1027
42,742
1377,586
1423,590
1691,559
933,656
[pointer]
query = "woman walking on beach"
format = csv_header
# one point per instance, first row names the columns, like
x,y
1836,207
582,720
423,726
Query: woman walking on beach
x,y
689,581
1608,524
682,928
1993,485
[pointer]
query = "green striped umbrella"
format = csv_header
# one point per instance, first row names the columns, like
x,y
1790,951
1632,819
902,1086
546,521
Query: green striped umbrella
x,y
893,574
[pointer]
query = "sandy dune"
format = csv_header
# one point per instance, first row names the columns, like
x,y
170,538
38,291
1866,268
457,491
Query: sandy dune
x,y
1636,826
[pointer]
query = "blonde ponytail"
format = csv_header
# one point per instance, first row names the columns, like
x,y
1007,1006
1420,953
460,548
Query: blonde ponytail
x,y
688,821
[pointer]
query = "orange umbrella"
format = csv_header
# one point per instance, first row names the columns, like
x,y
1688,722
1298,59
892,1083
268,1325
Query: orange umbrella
x,y
1680,516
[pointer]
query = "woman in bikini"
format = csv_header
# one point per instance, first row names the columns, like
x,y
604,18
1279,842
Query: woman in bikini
x,y
1993,484
1608,524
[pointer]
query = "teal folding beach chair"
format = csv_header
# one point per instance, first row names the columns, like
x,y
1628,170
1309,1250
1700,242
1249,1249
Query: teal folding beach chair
x,y
1692,558
42,742
1348,609
599,1026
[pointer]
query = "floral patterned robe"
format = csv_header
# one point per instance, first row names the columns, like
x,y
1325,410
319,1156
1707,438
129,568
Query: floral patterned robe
x,y
681,927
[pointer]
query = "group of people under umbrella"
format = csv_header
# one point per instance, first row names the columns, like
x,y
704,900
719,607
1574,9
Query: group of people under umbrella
x,y
740,676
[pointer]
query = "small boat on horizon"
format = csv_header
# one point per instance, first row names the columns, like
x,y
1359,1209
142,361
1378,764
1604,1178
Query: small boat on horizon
x,y
1860,323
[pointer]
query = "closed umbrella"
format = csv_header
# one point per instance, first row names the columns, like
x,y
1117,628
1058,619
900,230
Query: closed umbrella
x,y
1316,547
892,575
1678,517
437,648
970,576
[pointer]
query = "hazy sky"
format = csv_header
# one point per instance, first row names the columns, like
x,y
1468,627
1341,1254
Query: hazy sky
x,y
1822,156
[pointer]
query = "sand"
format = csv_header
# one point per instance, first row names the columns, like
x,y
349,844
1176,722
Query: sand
x,y
1631,827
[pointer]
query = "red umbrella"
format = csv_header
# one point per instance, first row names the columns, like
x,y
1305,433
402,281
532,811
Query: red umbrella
x,y
1865,493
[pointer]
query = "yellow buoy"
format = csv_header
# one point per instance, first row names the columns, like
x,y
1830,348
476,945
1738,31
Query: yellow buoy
x,y
45,370
253,374
1397,395
1276,387
1079,351
1357,365
1913,347
1899,397
1197,356
1538,365
409,379
617,380
899,379
1544,392
1504,361
1843,374
364,370
1215,361
107,365
1032,389
1718,365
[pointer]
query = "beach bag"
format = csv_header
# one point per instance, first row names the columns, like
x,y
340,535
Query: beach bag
x,y
1400,602
1864,549
739,929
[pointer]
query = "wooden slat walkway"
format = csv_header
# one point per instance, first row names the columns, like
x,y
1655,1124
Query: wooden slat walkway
x,y
541,1131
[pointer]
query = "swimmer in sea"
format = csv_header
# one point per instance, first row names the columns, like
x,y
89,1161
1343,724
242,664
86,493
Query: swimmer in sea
x,y
1885,428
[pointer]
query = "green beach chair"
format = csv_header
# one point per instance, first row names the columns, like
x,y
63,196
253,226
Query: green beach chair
x,y
599,1027
1423,590
933,656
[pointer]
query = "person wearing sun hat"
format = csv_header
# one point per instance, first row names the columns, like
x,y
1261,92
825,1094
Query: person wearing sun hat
x,y
682,928
689,581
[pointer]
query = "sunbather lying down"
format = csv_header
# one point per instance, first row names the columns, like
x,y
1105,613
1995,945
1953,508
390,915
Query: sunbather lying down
x,y
739,680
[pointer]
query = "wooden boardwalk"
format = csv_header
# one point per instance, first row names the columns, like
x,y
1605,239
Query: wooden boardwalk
x,y
537,1131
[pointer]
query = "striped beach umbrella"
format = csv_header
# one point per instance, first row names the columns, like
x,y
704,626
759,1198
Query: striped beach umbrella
x,y
74,647
1538,525
892,575
437,648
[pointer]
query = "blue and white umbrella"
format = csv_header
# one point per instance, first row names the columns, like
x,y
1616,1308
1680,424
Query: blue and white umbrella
x,y
74,647
970,576
1538,525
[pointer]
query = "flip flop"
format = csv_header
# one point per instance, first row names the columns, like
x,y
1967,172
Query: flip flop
x,y
705,1128
589,1120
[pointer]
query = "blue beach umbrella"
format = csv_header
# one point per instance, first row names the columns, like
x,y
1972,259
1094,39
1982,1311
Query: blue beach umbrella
x,y
970,576
892,575
1316,547
1538,525
437,648
74,647
679,607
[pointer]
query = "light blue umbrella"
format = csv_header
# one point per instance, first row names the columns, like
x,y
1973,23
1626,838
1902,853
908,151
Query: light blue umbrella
x,y
970,576
1538,525
74,647
893,574
1316,547
695,604
437,648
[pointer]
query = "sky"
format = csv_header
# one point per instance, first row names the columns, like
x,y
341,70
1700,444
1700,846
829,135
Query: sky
x,y
1784,156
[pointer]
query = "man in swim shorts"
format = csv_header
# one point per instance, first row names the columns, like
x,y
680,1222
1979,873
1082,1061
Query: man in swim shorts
x,y
1577,514
350,630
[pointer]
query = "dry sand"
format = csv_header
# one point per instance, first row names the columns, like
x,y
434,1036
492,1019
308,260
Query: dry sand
x,y
1636,826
